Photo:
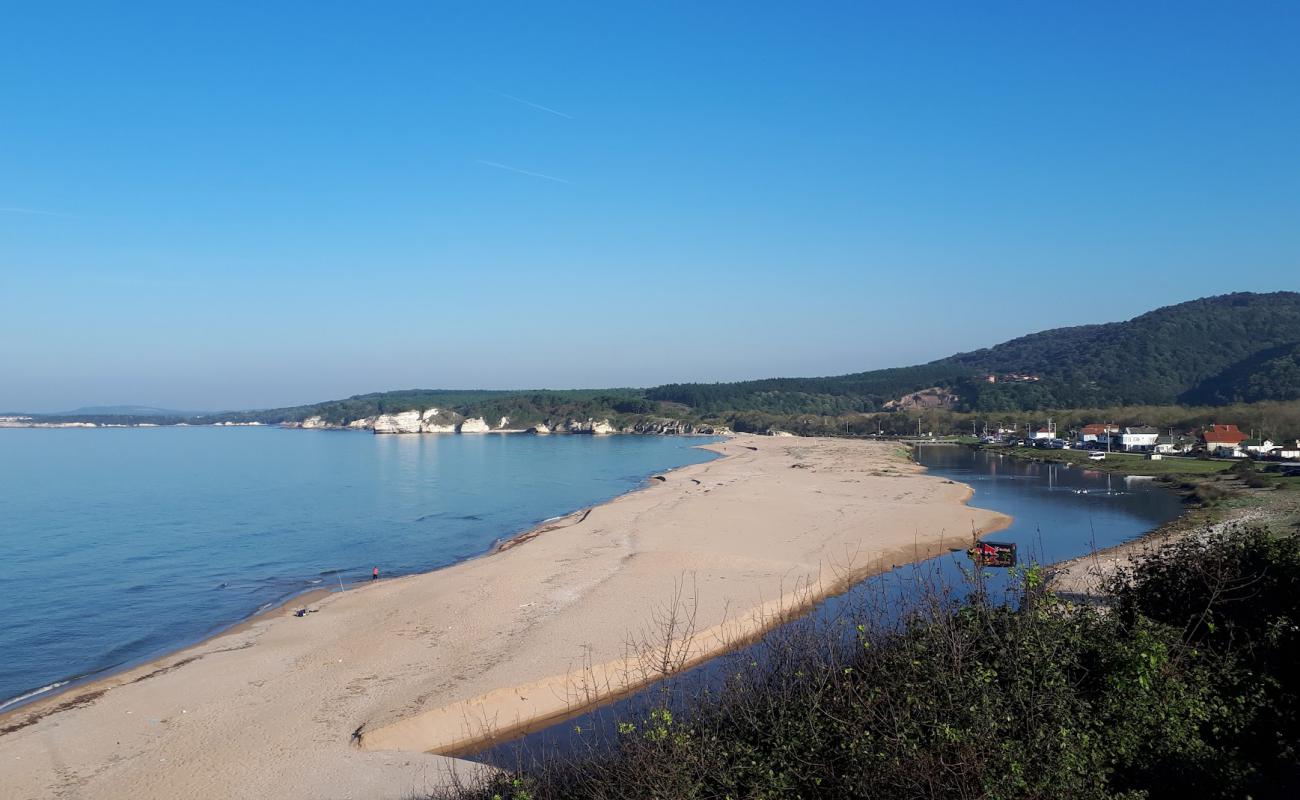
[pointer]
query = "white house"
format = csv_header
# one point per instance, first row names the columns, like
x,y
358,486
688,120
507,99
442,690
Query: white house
x,y
1041,435
1288,451
1096,432
1258,447
1224,440
1169,444
1140,438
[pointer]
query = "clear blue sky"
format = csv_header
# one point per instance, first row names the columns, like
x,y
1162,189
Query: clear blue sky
x,y
258,204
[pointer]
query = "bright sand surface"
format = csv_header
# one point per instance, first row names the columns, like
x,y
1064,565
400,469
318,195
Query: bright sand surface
x,y
429,662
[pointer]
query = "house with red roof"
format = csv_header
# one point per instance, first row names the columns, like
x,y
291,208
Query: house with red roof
x,y
1223,440
1096,432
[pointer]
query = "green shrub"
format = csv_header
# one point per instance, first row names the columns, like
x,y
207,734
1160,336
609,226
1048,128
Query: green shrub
x,y
1235,595
1186,688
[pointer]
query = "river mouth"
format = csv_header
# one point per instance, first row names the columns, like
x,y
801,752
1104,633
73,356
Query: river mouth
x,y
1059,512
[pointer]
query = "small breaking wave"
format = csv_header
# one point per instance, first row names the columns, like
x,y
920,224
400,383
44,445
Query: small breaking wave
x,y
13,701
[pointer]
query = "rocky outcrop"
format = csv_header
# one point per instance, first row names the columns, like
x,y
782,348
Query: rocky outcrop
x,y
934,397
442,420
775,432
437,420
675,427
586,426
405,422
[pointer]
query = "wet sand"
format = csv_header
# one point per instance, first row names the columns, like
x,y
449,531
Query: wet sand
x,y
349,700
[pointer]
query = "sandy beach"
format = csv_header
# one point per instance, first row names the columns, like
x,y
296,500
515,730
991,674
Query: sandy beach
x,y
355,699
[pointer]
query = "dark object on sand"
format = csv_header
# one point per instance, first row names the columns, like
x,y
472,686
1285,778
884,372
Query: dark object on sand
x,y
993,554
658,478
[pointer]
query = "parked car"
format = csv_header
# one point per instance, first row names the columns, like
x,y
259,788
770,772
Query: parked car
x,y
1097,455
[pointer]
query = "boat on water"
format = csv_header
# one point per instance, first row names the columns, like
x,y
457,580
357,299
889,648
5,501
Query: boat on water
x,y
993,554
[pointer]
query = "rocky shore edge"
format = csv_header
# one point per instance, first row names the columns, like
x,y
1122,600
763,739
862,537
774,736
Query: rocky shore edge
x,y
441,420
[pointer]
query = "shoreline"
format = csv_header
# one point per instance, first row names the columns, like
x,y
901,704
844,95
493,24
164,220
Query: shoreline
x,y
277,608
270,706
803,603
1081,578
68,685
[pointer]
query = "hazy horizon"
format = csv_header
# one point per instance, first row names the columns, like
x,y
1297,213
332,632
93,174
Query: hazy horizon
x,y
246,207
340,394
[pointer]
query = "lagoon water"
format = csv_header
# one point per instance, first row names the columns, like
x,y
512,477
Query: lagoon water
x,y
1059,512
117,545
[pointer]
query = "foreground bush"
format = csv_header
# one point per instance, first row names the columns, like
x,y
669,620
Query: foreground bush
x,y
1187,689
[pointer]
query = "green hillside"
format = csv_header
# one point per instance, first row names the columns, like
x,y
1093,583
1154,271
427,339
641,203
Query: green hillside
x,y
1232,348
1236,347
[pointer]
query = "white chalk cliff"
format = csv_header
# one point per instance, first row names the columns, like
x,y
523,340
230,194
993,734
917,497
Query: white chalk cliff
x,y
474,425
405,422
588,426
437,420
442,420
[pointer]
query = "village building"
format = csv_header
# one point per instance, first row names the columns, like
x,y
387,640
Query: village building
x,y
1138,439
1173,444
1288,450
1223,440
1259,447
1096,432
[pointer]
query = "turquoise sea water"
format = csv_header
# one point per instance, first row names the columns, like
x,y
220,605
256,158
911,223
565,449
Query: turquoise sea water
x,y
120,544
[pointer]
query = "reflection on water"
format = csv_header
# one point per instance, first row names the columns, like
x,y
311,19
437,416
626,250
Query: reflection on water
x,y
1059,512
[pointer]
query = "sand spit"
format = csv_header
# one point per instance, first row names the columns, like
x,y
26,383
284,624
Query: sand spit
x,y
343,702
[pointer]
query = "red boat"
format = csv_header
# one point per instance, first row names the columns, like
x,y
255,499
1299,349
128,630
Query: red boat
x,y
993,554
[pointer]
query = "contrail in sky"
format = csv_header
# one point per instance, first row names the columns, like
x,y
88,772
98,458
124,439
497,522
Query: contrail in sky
x,y
522,171
36,211
537,106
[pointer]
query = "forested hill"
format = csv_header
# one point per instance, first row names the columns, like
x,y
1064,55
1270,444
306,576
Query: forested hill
x,y
1231,348
1236,347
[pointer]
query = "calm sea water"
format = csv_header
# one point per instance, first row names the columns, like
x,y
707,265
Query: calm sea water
x,y
119,544
1060,512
